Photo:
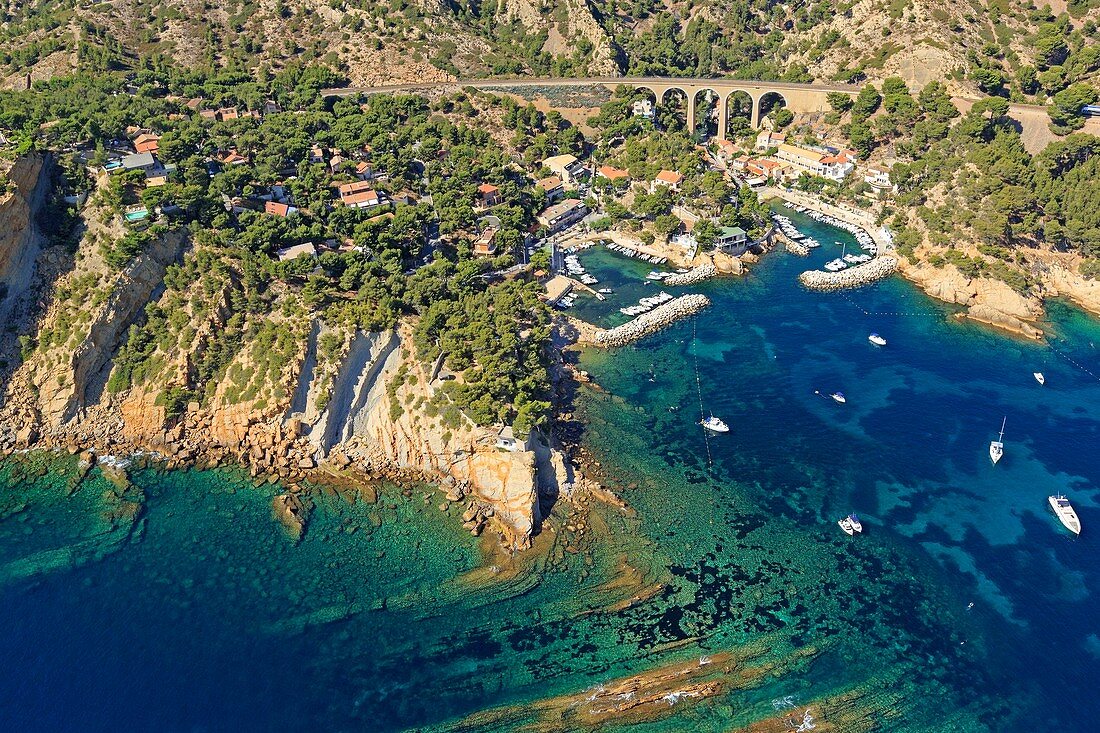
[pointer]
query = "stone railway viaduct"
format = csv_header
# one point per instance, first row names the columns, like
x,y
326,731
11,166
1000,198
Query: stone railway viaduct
x,y
798,98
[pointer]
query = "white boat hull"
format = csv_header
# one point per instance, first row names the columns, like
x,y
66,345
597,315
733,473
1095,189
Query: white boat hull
x,y
1065,513
996,450
1039,378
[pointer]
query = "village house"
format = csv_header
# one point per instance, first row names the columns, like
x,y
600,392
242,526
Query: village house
x,y
669,179
613,174
364,170
295,251
815,162
488,195
552,186
336,163
768,139
731,239
138,161
643,108
227,113
360,195
507,440
878,177
560,216
405,197
147,143
158,175
274,207
486,244
727,150
316,154
566,167
232,157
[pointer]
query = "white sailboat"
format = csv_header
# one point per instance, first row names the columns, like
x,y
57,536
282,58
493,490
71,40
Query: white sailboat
x,y
1039,377
1062,508
877,340
997,447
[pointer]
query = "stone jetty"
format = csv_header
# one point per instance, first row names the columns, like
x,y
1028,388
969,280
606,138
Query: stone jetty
x,y
853,277
660,317
796,248
692,276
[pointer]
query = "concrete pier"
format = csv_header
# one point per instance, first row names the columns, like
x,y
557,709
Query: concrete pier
x,y
660,317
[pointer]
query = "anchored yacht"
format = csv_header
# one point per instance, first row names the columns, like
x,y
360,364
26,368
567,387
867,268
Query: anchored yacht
x,y
714,424
838,397
1061,506
997,447
1039,377
846,525
877,340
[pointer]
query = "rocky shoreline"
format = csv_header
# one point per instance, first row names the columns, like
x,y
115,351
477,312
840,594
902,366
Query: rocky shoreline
x,y
853,277
659,318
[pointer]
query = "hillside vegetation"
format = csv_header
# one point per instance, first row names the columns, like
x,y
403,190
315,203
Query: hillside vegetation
x,y
1004,47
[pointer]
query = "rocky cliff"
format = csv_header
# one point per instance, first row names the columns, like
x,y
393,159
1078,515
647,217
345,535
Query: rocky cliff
x,y
987,300
19,238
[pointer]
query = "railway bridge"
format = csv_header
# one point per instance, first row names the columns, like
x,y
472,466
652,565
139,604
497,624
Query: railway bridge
x,y
754,95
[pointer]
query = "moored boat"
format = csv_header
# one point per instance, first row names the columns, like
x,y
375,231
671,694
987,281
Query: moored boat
x,y
846,525
1039,377
854,521
877,340
997,447
839,397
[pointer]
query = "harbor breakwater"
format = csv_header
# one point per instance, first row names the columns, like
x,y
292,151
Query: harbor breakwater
x,y
692,276
853,277
660,317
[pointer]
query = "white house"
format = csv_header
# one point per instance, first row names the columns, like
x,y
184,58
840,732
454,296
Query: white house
x,y
643,108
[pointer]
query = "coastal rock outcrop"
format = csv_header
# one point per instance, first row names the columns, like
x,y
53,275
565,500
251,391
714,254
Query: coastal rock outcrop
x,y
987,300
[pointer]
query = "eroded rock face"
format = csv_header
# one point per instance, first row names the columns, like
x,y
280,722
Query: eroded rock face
x,y
19,239
987,300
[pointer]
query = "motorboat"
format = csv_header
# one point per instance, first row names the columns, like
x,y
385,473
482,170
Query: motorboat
x,y
997,447
856,524
1064,511
846,525
1039,377
714,424
838,397
877,340
605,291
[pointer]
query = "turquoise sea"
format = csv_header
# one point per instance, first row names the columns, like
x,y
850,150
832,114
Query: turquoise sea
x,y
175,602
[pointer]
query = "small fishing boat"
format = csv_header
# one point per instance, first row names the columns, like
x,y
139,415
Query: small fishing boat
x,y
877,340
1039,377
605,291
854,521
846,525
838,397
714,424
1062,508
997,447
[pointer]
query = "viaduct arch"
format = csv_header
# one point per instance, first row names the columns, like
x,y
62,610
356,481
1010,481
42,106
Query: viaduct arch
x,y
798,98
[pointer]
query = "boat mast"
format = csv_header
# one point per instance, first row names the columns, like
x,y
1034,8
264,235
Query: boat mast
x,y
1001,439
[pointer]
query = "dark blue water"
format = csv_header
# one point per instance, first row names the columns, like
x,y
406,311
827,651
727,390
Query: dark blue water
x,y
177,603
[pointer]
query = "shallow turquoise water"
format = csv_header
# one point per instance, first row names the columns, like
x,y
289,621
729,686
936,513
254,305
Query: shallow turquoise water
x,y
202,614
